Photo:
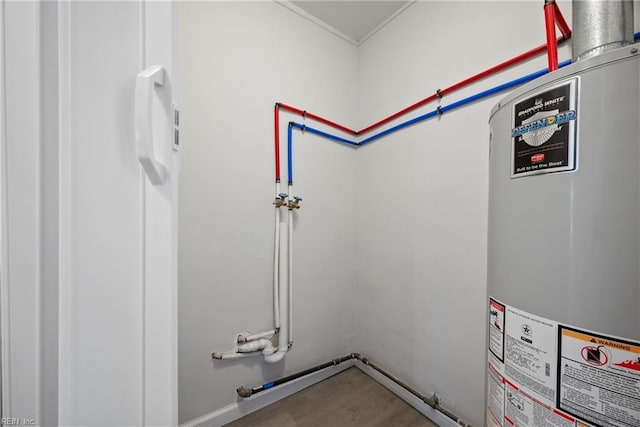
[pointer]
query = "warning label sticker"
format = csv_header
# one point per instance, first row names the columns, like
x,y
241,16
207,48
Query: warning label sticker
x,y
544,131
496,329
599,378
544,374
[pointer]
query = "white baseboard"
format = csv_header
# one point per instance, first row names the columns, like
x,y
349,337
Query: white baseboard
x,y
251,404
436,416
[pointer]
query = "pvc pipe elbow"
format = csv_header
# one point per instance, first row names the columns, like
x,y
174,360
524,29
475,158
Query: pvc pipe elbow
x,y
244,337
268,348
275,357
251,346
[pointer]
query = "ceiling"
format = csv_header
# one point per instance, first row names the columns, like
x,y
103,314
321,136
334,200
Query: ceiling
x,y
354,21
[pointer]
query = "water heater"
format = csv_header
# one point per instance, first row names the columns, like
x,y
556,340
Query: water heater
x,y
563,307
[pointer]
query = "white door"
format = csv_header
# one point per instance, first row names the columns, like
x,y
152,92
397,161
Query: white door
x,y
88,301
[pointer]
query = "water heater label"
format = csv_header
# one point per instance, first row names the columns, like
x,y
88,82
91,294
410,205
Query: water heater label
x,y
544,131
495,397
521,388
543,373
496,329
599,378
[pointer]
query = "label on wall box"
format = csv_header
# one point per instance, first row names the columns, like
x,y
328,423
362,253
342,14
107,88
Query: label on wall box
x,y
544,131
554,375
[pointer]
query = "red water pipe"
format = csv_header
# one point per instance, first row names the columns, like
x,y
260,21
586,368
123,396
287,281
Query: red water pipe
x,y
305,113
399,113
550,25
561,23
551,47
516,59
276,134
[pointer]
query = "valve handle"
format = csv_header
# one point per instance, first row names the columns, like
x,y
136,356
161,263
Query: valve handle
x,y
297,199
283,195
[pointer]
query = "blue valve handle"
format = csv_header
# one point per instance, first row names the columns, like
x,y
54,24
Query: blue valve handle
x,y
297,199
283,195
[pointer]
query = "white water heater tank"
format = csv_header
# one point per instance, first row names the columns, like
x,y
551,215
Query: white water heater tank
x,y
563,307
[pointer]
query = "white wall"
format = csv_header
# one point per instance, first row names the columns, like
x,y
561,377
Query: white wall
x,y
236,60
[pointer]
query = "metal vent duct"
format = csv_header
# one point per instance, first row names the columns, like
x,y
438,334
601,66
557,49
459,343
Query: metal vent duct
x,y
600,25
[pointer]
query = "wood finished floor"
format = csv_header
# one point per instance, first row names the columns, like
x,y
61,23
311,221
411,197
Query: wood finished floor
x,y
350,398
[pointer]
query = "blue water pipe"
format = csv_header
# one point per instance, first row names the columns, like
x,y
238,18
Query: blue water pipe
x,y
306,128
442,109
434,113
290,152
438,111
